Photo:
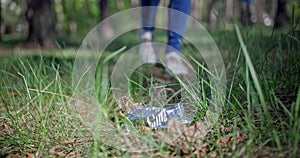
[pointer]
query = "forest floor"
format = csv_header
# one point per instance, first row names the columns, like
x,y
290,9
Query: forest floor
x,y
260,116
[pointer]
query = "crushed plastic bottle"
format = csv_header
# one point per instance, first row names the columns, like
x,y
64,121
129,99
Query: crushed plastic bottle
x,y
157,117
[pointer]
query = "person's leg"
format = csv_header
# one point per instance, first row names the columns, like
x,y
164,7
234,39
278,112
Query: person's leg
x,y
178,16
146,49
148,16
178,22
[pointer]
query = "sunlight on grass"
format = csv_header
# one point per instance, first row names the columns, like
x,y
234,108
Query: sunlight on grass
x,y
260,116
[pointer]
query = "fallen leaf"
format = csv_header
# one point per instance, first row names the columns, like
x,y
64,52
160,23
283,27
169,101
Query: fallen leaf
x,y
125,105
186,139
228,141
7,127
29,155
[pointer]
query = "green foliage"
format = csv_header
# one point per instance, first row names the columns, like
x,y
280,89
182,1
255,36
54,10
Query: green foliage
x,y
260,116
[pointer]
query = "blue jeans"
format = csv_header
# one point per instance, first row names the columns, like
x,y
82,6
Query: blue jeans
x,y
248,1
177,21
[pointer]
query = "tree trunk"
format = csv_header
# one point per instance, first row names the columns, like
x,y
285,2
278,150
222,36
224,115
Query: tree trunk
x,y
106,28
245,14
282,16
60,16
213,14
104,11
228,10
40,17
135,3
274,9
0,21
197,10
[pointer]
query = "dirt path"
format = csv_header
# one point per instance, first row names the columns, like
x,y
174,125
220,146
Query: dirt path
x,y
8,52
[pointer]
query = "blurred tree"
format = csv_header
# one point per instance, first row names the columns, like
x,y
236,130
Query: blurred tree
x,y
106,28
262,11
0,21
282,17
59,16
228,9
197,9
104,9
41,21
245,12
213,14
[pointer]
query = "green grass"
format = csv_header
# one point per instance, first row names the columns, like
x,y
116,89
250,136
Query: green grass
x,y
260,114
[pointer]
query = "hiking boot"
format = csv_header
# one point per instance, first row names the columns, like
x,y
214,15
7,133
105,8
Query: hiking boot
x,y
175,64
146,49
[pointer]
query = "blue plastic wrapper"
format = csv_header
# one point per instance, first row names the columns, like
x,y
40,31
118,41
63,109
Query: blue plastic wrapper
x,y
157,117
